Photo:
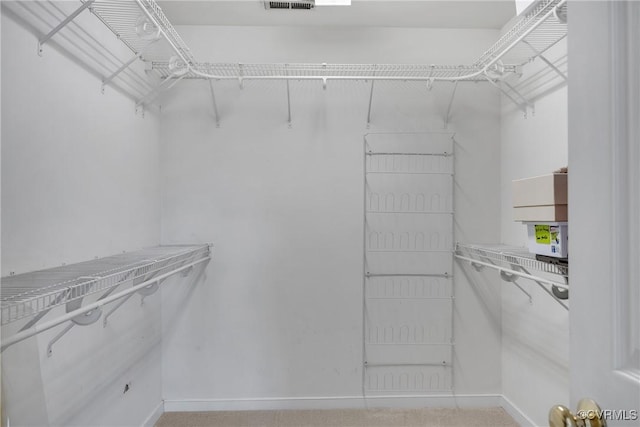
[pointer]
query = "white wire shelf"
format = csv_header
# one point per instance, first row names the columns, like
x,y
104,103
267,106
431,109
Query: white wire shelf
x,y
539,28
516,262
510,256
32,294
125,18
140,23
409,72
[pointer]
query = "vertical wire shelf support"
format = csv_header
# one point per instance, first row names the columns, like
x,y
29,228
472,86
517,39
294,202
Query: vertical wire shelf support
x,y
408,291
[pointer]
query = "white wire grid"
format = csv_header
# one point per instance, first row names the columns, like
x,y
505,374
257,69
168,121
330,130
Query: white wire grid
x,y
29,294
533,34
509,257
538,27
122,18
329,71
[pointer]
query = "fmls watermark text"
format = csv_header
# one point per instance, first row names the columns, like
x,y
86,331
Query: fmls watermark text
x,y
609,414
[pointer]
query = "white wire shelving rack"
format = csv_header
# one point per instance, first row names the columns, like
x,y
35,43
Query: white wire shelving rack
x,y
516,262
542,26
31,296
408,344
140,23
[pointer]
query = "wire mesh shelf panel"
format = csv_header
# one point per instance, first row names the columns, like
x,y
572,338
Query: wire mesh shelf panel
x,y
510,257
328,71
538,25
549,33
28,294
125,19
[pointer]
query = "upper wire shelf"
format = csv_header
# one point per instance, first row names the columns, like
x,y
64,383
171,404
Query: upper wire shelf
x,y
541,27
29,294
138,24
316,71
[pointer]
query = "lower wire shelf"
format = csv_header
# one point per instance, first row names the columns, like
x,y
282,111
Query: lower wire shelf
x,y
32,295
516,262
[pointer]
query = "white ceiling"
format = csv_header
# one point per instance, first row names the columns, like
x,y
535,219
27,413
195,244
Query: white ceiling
x,y
377,13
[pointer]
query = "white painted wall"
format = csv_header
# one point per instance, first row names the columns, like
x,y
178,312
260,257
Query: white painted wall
x,y
535,335
279,315
80,179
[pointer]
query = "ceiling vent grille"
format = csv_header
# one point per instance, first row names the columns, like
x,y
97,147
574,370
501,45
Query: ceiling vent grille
x,y
299,5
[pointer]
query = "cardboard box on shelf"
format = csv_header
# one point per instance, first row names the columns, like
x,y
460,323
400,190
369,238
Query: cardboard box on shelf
x,y
555,213
544,190
548,238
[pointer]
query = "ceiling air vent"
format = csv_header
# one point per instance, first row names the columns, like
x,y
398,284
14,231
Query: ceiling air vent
x,y
300,4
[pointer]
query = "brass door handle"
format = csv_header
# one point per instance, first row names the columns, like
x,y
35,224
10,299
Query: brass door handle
x,y
587,415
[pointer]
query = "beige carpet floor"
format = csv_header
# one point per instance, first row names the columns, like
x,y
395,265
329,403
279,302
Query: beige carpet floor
x,y
431,417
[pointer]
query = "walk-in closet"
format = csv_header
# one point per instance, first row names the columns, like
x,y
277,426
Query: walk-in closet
x,y
320,213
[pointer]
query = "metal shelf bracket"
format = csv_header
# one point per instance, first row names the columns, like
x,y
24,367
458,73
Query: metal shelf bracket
x,y
151,289
62,24
166,84
448,114
521,106
431,79
288,101
124,66
545,60
213,101
477,266
324,78
371,98
57,337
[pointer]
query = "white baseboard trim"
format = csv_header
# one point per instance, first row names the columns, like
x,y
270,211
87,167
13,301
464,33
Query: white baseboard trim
x,y
516,413
338,402
155,415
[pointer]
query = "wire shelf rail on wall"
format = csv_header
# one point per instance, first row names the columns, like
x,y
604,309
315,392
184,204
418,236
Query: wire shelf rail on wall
x,y
33,295
301,71
139,23
515,262
142,27
541,27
